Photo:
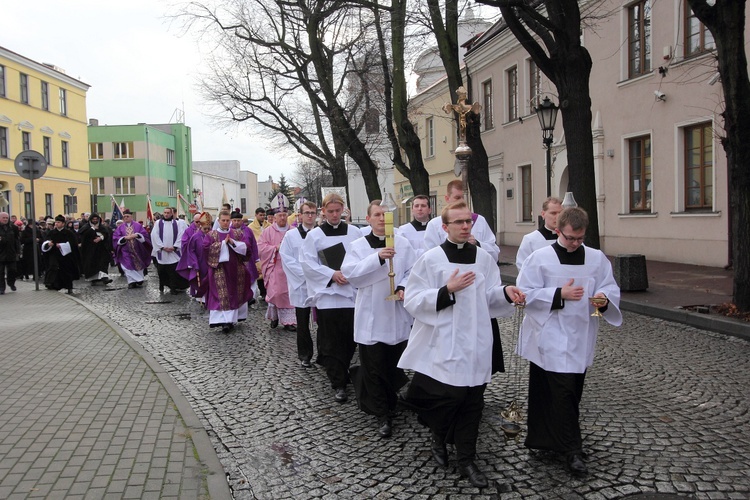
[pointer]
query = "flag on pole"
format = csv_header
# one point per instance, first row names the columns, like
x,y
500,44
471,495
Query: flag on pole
x,y
149,210
224,199
182,199
116,213
177,205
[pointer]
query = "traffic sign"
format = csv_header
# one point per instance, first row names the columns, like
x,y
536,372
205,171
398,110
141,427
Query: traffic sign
x,y
20,187
30,164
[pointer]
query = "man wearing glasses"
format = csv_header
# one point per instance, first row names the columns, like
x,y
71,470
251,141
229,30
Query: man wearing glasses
x,y
558,334
452,292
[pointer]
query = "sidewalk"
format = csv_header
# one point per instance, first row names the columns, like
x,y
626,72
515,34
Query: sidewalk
x,y
672,287
86,413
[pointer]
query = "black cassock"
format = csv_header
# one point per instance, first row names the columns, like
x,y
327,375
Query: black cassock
x,y
62,270
95,256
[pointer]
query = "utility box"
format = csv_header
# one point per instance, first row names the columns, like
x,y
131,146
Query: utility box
x,y
630,272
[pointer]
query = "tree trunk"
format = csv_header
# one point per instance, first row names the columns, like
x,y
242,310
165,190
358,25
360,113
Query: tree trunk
x,y
726,21
479,172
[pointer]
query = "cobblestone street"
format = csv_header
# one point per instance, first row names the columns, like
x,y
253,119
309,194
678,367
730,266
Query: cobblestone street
x,y
665,410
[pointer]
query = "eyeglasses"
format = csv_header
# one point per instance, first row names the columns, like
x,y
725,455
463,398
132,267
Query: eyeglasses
x,y
461,222
571,239
309,213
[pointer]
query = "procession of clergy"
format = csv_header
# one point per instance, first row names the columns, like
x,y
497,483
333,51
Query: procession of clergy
x,y
440,326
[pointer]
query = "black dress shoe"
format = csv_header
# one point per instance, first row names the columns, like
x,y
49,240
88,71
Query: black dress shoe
x,y
225,328
131,285
139,284
13,287
161,288
385,427
106,280
340,395
290,328
174,292
475,476
306,363
576,465
274,323
439,452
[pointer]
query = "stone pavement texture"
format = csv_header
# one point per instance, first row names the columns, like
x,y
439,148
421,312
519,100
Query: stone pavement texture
x,y
82,413
665,410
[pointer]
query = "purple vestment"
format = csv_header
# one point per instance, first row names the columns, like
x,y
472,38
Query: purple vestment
x,y
192,266
229,283
133,254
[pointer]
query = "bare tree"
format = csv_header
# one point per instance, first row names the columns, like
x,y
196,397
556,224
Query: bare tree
x,y
310,177
726,21
554,43
286,67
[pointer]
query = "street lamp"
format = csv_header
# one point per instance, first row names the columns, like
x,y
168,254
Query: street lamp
x,y
547,114
231,203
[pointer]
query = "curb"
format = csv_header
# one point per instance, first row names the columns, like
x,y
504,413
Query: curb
x,y
711,322
216,478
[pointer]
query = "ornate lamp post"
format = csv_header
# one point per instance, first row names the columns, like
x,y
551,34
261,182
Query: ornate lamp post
x,y
547,114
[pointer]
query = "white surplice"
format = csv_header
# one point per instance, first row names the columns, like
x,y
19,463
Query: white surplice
x,y
435,235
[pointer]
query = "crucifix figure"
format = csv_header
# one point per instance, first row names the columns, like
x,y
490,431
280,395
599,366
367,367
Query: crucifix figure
x,y
462,109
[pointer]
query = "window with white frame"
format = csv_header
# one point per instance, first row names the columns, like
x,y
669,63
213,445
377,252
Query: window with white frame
x,y
699,141
65,156
2,80
48,204
48,149
430,129
535,85
96,151
639,38
3,142
170,156
124,185
24,84
526,202
45,96
639,173
123,150
171,188
512,81
487,105
63,102
97,185
25,141
71,204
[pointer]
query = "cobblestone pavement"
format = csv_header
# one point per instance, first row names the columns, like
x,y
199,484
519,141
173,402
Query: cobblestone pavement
x,y
665,410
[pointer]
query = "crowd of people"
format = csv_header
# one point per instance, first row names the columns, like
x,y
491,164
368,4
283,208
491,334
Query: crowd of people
x,y
421,301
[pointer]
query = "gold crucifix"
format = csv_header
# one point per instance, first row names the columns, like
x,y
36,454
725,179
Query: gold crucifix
x,y
462,109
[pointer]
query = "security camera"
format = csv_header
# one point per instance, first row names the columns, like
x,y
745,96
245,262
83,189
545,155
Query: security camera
x,y
660,96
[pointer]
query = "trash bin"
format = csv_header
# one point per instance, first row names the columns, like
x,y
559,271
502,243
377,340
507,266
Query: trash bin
x,y
630,272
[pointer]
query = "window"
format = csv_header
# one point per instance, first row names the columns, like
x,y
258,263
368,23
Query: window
x,y
430,128
124,185
24,80
96,151
242,186
27,206
2,80
63,102
3,142
170,157
45,96
25,141
48,206
699,167
123,150
487,105
64,149
525,172
535,86
48,149
171,188
639,161
639,38
97,185
372,121
243,205
512,77
697,37
70,204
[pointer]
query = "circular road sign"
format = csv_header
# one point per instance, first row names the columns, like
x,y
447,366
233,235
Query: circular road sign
x,y
30,164
20,187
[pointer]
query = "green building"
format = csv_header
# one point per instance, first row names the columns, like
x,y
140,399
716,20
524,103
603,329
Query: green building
x,y
130,162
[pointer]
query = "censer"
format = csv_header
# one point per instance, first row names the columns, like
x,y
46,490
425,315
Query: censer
x,y
513,415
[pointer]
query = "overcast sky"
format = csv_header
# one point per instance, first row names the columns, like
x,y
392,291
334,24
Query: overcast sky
x,y
139,69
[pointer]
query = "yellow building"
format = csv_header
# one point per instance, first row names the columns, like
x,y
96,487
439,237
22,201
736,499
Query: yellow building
x,y
43,109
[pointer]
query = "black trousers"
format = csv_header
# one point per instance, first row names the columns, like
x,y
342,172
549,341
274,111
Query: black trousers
x,y
377,380
554,400
7,267
168,276
304,339
336,343
261,287
452,413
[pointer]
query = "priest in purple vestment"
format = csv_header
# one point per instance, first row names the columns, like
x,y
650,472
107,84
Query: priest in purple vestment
x,y
229,279
132,245
192,266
